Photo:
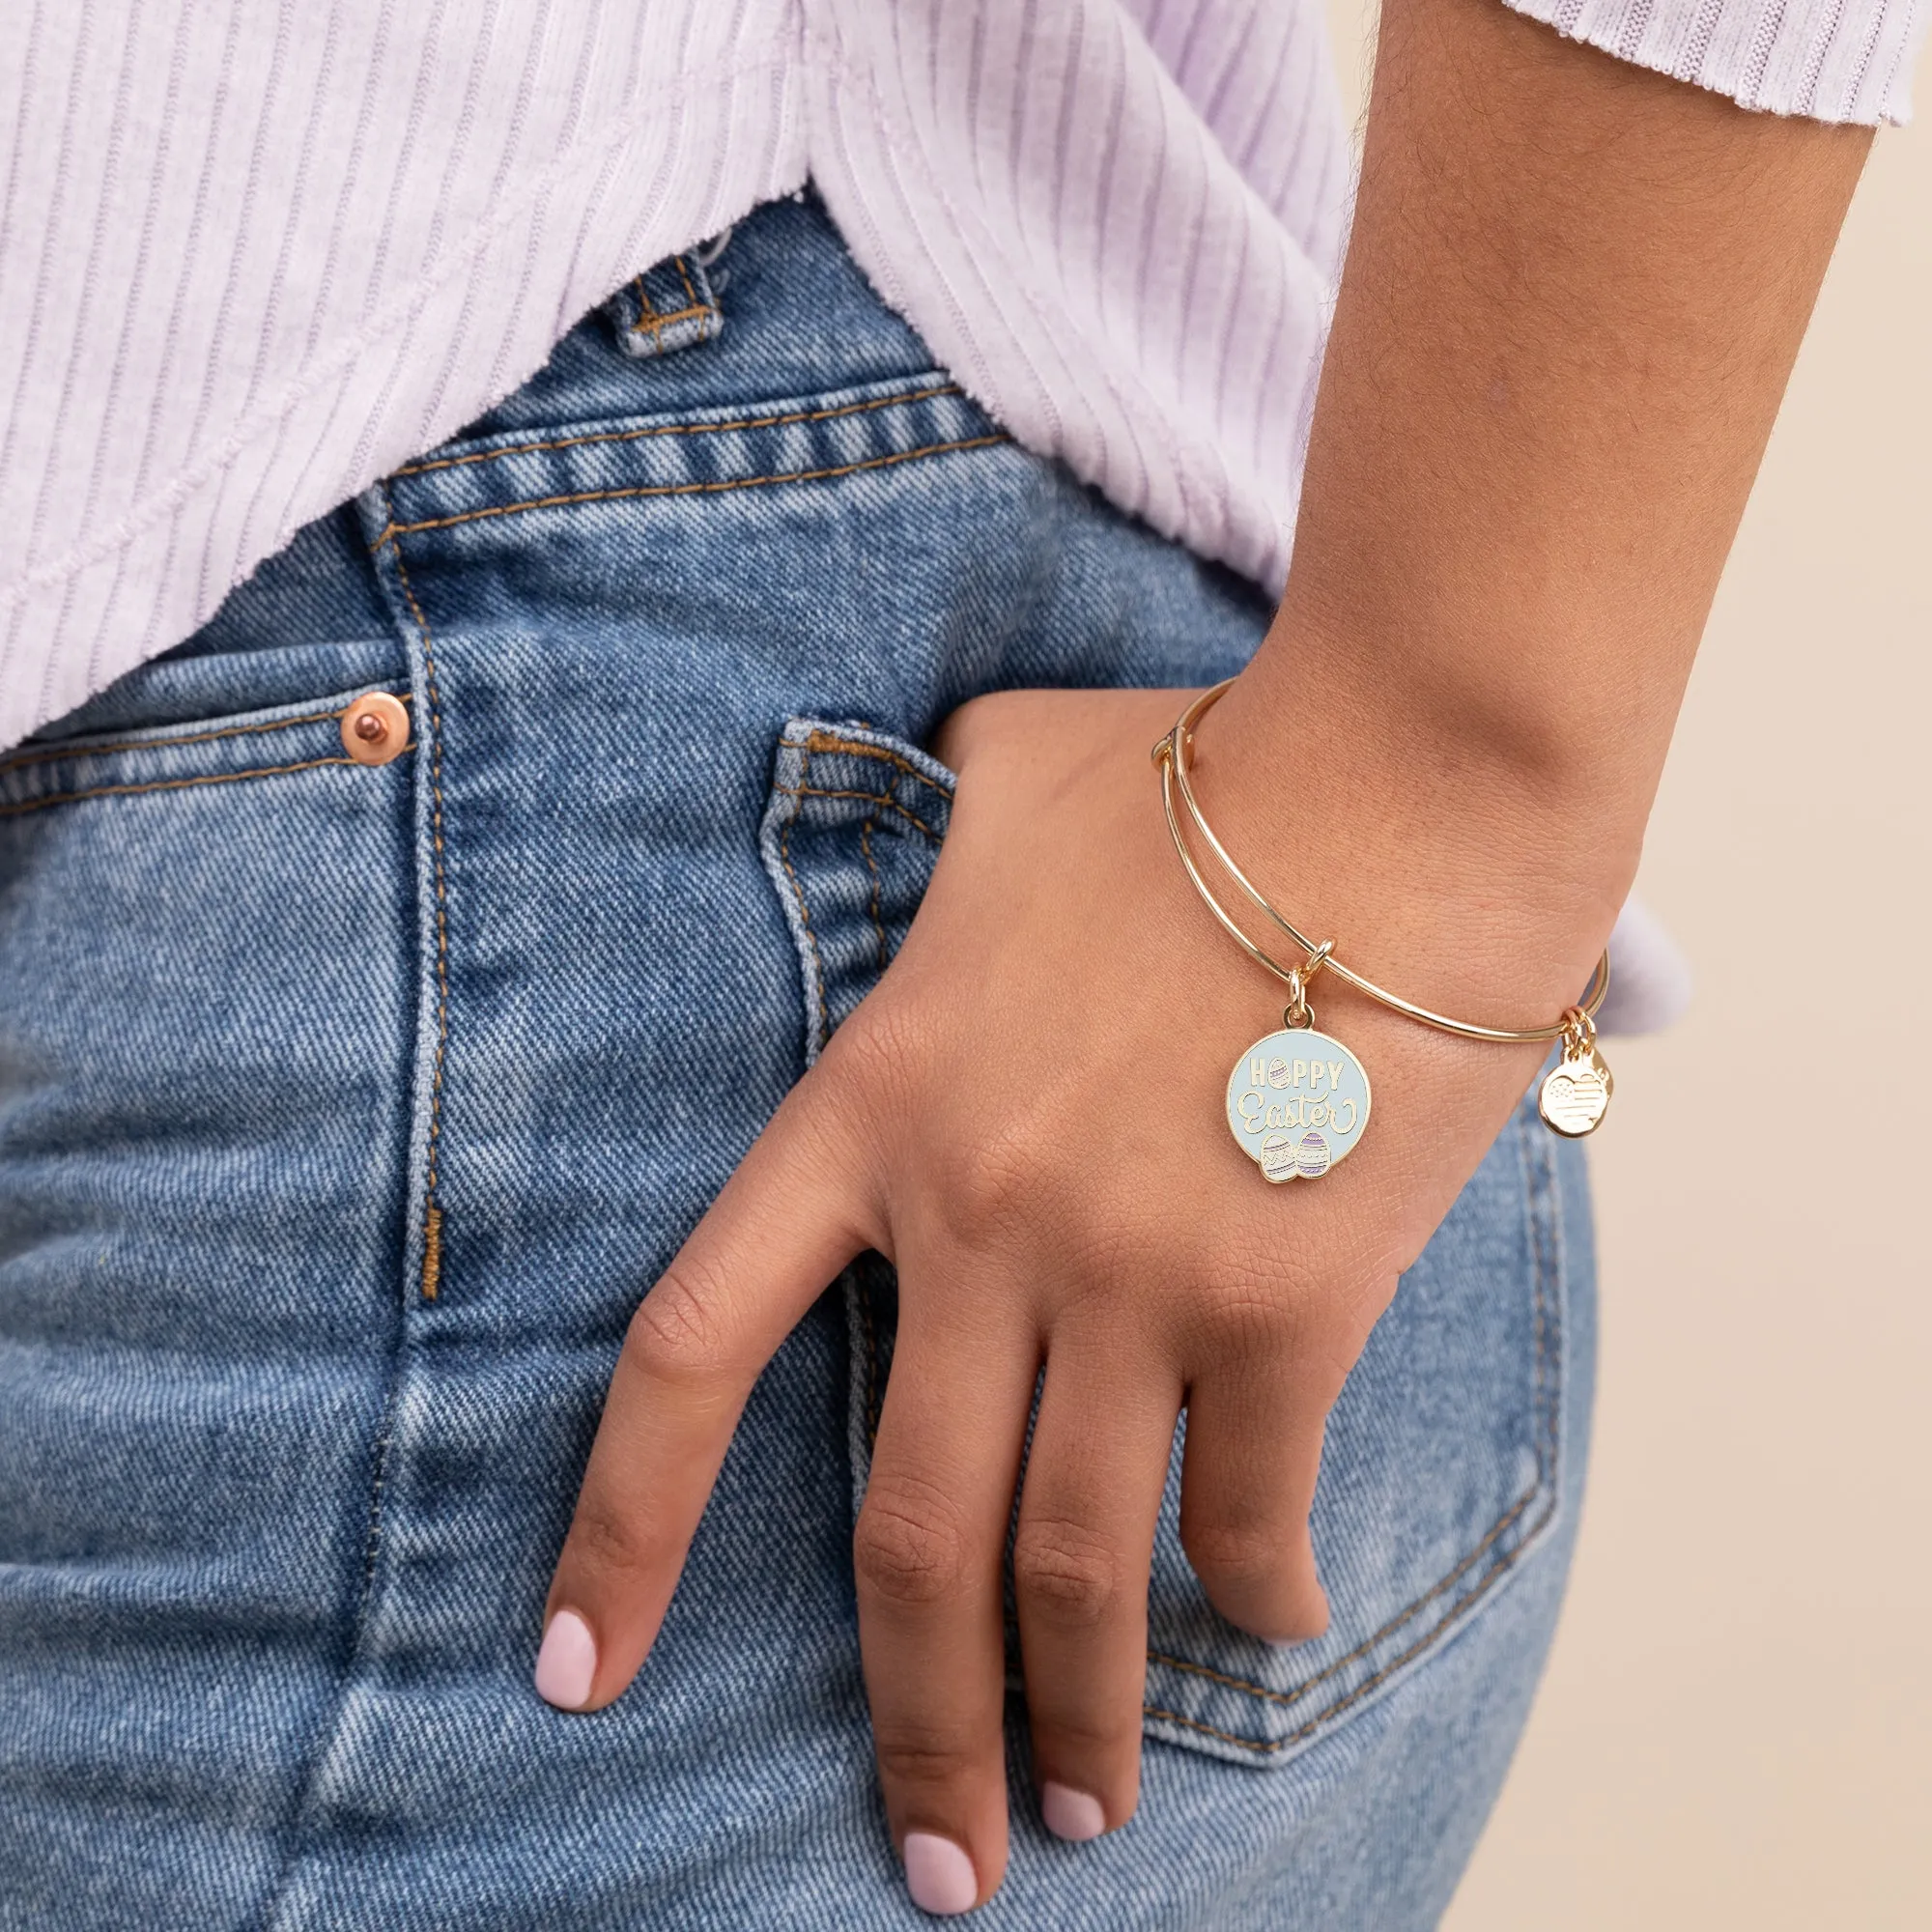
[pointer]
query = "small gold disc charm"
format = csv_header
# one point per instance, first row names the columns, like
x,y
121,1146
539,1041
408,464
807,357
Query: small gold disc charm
x,y
1576,1095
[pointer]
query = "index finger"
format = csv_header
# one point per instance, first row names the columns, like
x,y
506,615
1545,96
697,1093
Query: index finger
x,y
790,1219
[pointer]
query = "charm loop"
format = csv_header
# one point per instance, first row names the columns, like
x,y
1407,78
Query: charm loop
x,y
1298,1013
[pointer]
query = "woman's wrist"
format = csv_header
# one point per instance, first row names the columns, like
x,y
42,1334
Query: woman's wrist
x,y
1460,874
1566,319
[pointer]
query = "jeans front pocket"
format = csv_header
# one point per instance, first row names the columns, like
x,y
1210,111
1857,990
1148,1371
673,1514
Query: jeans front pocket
x,y
1441,1467
204,931
850,837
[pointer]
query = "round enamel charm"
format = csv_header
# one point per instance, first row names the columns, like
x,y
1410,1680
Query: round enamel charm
x,y
1298,1102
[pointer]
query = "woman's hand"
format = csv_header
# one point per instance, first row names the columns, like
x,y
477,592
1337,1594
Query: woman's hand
x,y
1027,1117
1572,295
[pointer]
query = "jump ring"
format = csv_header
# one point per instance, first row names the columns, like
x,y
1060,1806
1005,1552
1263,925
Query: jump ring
x,y
1297,1014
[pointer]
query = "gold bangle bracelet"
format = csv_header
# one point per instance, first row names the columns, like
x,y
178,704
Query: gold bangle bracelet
x,y
1265,1112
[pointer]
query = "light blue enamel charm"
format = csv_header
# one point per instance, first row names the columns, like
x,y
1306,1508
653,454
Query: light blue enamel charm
x,y
1298,1102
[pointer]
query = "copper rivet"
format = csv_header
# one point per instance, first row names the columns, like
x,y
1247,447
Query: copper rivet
x,y
375,727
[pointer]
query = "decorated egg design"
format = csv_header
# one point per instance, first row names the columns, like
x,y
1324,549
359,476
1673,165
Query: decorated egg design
x,y
1277,1156
1297,1103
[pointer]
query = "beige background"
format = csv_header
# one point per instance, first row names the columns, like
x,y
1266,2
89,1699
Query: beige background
x,y
1736,1728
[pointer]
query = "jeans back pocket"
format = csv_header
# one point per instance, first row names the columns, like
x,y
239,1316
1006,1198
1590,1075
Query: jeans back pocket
x,y
1441,1467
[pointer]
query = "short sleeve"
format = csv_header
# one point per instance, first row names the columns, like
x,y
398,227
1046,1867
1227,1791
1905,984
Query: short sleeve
x,y
1828,60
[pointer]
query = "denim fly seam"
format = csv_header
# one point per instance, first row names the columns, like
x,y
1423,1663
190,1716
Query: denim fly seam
x,y
433,895
853,827
333,1742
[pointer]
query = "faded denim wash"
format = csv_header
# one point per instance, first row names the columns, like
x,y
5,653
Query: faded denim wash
x,y
346,1111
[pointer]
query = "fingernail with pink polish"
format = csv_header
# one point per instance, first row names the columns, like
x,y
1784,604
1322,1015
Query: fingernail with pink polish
x,y
566,1662
939,1875
1071,1814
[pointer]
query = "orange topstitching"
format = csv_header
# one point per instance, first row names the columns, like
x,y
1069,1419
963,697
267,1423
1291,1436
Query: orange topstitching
x,y
782,422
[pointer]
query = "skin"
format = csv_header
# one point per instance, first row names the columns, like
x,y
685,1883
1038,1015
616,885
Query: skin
x,y
1570,305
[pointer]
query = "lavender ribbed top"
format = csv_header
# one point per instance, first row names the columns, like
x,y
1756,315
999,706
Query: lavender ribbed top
x,y
255,253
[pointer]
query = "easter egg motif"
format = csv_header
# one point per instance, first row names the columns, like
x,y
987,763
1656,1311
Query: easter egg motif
x,y
1576,1095
1277,1156
1297,1103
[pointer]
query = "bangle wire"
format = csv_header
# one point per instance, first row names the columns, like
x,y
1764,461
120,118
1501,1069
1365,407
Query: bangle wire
x,y
1172,755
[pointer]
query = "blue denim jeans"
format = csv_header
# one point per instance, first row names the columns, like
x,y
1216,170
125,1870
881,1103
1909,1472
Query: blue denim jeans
x,y
347,1109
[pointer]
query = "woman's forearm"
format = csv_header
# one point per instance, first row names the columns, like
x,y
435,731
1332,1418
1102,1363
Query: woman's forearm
x,y
1571,304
